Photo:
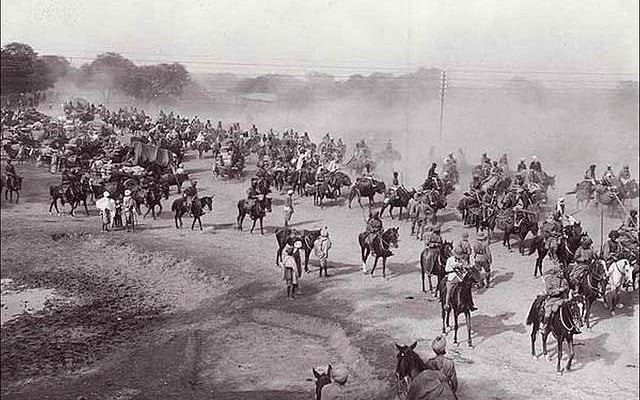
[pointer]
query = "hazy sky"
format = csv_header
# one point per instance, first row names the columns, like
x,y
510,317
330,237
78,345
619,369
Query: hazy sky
x,y
357,34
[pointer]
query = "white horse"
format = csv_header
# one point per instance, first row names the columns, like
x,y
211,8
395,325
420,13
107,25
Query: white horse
x,y
618,275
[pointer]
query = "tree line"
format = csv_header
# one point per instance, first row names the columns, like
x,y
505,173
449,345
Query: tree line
x,y
24,71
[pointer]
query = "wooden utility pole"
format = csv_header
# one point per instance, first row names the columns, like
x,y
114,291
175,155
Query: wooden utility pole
x,y
443,88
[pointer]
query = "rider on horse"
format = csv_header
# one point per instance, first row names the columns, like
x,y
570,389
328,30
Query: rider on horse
x,y
590,174
625,175
374,229
522,166
583,257
608,176
454,270
253,192
557,290
631,222
552,231
611,247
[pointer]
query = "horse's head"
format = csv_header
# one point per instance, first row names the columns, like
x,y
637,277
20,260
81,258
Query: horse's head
x,y
472,276
576,307
392,237
380,187
321,380
408,361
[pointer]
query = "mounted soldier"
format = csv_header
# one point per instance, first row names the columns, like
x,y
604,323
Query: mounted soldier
x,y
552,232
522,166
608,176
590,174
374,228
535,164
253,192
557,290
583,257
611,248
455,271
625,175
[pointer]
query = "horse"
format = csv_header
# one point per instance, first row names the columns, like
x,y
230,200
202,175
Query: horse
x,y
568,244
195,209
73,194
563,324
151,199
289,236
324,190
617,274
589,284
257,211
487,219
399,198
460,303
322,380
506,221
338,179
12,184
608,197
179,208
584,193
379,247
414,379
431,264
465,204
366,188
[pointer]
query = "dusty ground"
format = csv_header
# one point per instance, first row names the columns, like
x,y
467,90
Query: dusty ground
x,y
166,313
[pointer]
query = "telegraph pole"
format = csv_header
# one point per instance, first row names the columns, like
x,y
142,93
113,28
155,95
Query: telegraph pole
x,y
443,89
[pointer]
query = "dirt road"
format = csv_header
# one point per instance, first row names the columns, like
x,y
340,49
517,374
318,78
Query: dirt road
x,y
212,321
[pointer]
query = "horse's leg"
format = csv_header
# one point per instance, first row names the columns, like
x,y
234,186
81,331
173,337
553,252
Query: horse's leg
x,y
86,209
467,316
147,213
444,314
261,230
175,218
307,253
545,335
253,226
240,219
455,326
384,267
375,262
422,273
587,311
558,369
571,352
534,333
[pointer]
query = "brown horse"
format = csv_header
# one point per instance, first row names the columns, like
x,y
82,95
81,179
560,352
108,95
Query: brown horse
x,y
257,211
366,188
564,323
289,236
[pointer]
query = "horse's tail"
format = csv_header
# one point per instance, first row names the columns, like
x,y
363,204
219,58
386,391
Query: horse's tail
x,y
534,312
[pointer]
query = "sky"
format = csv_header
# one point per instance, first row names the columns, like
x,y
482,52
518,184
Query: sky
x,y
341,37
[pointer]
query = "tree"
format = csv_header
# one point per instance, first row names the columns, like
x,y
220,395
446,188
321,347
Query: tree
x,y
22,71
159,82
